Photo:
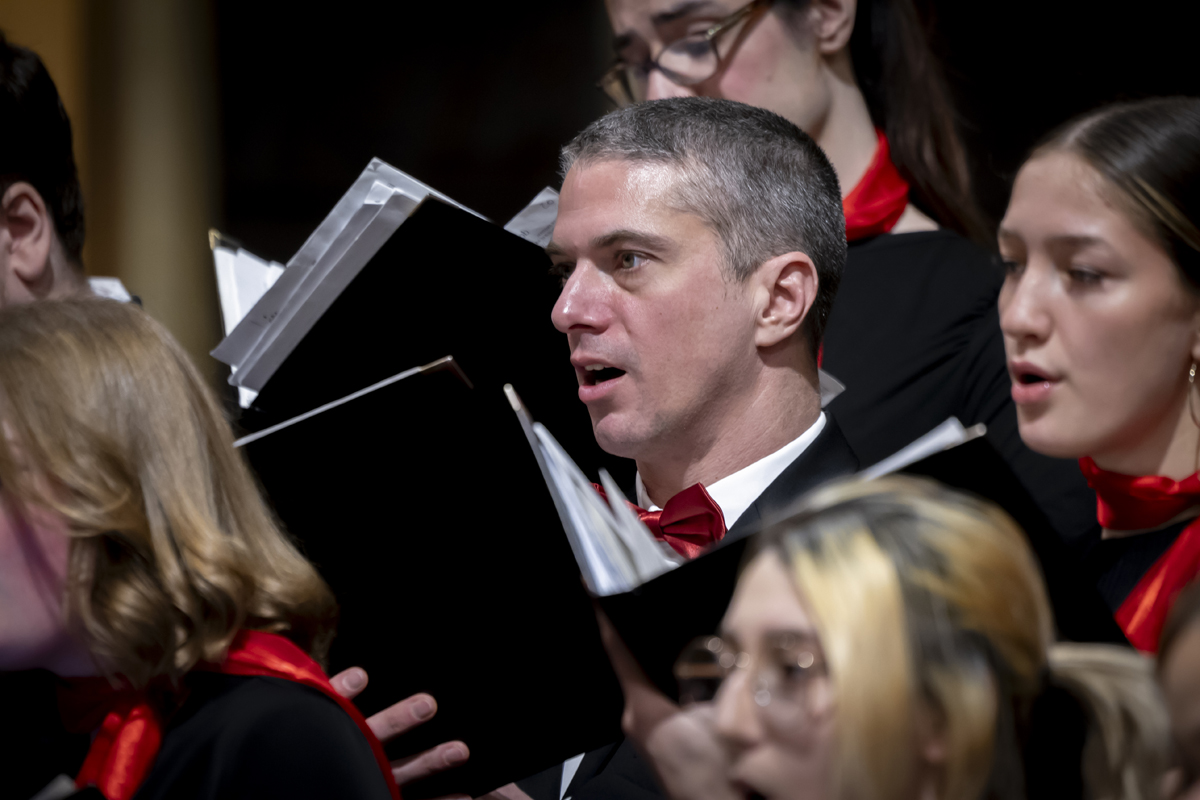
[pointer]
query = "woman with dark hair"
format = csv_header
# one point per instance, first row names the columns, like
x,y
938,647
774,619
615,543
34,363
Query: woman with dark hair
x,y
1101,319
913,332
140,565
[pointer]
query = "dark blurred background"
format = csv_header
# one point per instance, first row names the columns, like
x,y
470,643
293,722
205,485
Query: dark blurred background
x,y
253,117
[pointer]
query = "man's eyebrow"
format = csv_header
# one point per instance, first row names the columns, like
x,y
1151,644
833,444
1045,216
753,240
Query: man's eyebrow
x,y
649,241
554,249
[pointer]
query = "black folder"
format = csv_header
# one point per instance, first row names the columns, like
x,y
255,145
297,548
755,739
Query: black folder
x,y
423,507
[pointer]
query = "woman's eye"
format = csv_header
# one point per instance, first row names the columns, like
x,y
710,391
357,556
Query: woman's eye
x,y
1083,276
631,260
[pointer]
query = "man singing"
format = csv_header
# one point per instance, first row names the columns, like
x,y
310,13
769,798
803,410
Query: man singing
x,y
700,244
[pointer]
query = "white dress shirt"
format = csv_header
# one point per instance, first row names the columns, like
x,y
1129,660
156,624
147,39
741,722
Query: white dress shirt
x,y
734,493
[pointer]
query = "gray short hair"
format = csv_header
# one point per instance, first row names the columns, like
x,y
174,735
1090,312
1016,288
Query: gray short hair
x,y
759,182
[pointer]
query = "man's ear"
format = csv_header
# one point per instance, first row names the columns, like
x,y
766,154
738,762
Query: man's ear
x,y
27,234
831,23
787,288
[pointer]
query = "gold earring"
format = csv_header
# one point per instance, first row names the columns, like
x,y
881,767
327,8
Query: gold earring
x,y
1191,408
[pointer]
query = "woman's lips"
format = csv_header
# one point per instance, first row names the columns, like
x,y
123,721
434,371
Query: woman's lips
x,y
1030,384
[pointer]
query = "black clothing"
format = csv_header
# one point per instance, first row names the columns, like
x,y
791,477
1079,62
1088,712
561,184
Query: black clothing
x,y
257,737
34,746
915,336
1118,564
616,770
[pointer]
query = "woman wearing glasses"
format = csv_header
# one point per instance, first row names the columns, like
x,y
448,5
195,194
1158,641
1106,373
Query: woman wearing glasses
x,y
975,700
913,332
1101,320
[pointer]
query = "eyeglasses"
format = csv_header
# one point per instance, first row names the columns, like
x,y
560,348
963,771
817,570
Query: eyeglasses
x,y
685,62
783,680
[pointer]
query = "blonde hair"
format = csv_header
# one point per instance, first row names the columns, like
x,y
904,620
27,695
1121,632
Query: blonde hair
x,y
944,590
173,549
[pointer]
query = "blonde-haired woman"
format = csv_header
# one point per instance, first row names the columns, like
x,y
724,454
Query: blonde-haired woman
x,y
893,640
139,563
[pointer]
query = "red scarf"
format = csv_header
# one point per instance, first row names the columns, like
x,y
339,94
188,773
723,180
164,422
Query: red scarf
x,y
875,204
1130,503
131,730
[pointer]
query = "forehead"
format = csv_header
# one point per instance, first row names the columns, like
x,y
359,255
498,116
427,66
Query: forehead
x,y
601,197
766,600
1059,193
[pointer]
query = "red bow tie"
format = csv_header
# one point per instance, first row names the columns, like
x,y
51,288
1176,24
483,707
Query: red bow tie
x,y
1130,502
689,522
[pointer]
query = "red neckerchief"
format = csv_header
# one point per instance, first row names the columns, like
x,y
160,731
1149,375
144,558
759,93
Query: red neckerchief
x,y
875,203
130,728
690,522
1130,502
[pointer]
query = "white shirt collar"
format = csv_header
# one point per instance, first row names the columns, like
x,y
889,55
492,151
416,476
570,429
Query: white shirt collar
x,y
737,492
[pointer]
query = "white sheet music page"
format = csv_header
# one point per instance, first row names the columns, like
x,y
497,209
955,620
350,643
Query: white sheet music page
x,y
535,222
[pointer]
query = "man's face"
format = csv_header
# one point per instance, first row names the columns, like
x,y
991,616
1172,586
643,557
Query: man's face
x,y
662,344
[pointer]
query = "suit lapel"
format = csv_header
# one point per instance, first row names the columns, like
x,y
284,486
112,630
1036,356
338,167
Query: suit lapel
x,y
828,457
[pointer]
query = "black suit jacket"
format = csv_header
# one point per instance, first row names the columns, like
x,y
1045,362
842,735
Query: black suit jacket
x,y
616,771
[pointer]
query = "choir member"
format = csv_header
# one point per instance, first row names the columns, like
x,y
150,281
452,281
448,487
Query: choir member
x,y
893,640
1101,319
141,566
700,243
913,333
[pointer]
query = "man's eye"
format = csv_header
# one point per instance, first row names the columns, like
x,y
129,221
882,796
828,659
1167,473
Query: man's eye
x,y
631,260
562,271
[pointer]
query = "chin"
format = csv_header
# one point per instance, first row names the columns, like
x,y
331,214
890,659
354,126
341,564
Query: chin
x,y
1043,436
617,438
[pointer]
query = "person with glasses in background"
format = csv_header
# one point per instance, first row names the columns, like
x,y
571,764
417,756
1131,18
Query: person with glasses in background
x,y
976,699
913,334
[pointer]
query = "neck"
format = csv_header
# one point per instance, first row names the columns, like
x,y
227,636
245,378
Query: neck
x,y
1172,450
846,134
784,404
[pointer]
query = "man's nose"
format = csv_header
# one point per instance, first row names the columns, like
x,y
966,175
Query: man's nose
x,y
582,306
1023,304
659,87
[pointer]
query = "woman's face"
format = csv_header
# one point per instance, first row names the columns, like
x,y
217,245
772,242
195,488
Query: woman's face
x,y
775,719
1099,327
34,549
770,61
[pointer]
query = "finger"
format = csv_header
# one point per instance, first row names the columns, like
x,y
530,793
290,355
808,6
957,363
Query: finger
x,y
403,716
432,761
349,683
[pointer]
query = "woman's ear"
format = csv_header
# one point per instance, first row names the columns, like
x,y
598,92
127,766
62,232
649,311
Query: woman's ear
x,y
832,23
787,287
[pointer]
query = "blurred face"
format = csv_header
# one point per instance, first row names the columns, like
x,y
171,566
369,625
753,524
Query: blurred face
x,y
1099,327
776,720
33,569
662,345
1180,677
769,61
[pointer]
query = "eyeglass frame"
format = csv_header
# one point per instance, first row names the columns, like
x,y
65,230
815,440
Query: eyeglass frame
x,y
815,668
616,75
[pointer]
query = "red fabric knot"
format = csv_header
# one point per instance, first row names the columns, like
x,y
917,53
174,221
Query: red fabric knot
x,y
876,202
1130,503
131,730
690,522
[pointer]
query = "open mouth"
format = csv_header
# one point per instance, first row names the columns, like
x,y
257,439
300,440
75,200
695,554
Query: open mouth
x,y
598,374
1028,378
